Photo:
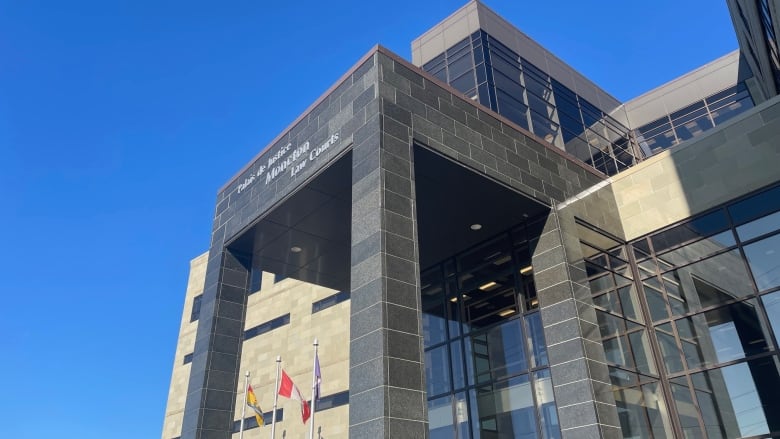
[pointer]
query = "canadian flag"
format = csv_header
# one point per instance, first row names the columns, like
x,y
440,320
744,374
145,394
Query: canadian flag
x,y
288,389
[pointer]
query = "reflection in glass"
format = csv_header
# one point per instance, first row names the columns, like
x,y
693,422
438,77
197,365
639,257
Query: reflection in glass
x,y
446,414
759,227
764,259
740,400
756,206
458,375
642,411
713,281
434,319
499,352
772,306
545,404
687,412
437,371
538,352
722,335
506,409
669,350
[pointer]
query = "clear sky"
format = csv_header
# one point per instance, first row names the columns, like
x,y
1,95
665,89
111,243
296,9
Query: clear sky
x,y
119,120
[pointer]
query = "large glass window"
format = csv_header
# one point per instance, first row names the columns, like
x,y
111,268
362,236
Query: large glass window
x,y
714,336
485,354
486,70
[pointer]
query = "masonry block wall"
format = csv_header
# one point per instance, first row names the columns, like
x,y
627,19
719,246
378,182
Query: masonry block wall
x,y
381,110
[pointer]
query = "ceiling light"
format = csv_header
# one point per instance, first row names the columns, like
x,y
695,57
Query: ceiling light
x,y
454,299
527,269
295,249
475,226
507,312
487,286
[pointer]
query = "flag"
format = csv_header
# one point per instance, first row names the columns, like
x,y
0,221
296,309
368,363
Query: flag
x,y
317,376
288,389
251,401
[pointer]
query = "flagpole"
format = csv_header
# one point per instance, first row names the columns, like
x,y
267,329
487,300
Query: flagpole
x,y
313,389
276,396
243,408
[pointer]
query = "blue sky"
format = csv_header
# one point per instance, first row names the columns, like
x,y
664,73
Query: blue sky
x,y
119,121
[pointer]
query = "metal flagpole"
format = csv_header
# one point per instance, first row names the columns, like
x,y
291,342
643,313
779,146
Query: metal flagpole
x,y
276,396
243,409
313,390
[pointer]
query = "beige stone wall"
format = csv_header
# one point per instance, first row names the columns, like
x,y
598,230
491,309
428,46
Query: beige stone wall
x,y
293,343
740,157
177,393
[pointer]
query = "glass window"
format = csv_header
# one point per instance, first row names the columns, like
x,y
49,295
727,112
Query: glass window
x,y
687,412
255,280
447,414
722,335
764,259
538,351
639,411
693,230
669,350
656,303
741,399
434,318
712,281
756,206
761,226
464,83
459,66
437,371
195,314
772,305
267,326
329,301
506,409
456,360
545,405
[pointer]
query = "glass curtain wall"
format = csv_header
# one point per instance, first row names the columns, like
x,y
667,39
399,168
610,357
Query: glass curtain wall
x,y
486,362
693,325
636,382
487,71
693,120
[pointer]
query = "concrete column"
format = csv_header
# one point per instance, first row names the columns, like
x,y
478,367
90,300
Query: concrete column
x,y
387,377
211,396
583,392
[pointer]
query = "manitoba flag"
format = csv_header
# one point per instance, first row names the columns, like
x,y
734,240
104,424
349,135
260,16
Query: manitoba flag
x,y
288,389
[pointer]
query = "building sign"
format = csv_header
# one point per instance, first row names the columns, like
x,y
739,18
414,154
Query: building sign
x,y
287,158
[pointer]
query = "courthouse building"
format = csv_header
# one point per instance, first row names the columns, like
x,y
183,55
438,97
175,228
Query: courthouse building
x,y
488,245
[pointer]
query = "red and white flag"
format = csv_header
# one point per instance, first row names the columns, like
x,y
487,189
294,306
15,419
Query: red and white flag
x,y
288,389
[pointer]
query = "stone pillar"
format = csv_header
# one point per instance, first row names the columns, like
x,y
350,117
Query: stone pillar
x,y
583,393
387,377
211,396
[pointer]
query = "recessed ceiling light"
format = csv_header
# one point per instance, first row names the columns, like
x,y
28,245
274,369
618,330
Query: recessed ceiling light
x,y
487,286
506,312
295,249
526,269
475,226
454,299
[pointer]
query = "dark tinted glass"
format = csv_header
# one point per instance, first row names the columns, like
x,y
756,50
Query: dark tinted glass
x,y
267,326
195,314
756,206
329,301
696,229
